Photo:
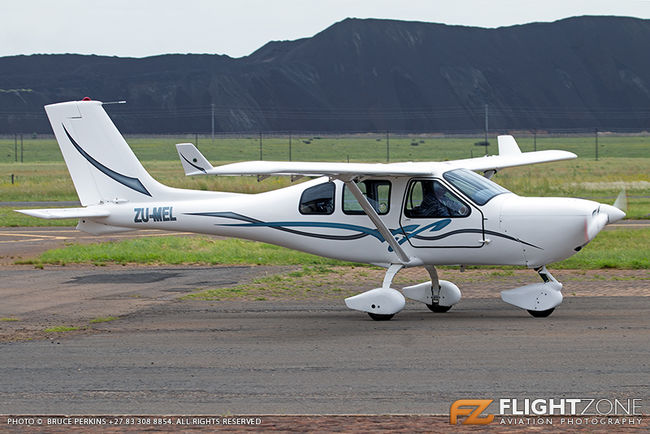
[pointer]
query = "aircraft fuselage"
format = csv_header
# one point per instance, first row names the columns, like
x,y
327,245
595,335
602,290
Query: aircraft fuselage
x,y
507,230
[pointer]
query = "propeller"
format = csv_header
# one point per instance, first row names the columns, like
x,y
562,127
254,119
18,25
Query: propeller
x,y
621,201
604,215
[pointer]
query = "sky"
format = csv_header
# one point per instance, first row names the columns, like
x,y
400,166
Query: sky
x,y
140,28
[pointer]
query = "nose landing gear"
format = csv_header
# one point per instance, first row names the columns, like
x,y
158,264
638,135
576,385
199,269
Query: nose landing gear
x,y
539,299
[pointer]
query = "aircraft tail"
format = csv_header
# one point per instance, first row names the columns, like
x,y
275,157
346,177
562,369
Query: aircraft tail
x,y
102,165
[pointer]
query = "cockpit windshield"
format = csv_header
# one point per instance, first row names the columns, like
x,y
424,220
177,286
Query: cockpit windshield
x,y
478,188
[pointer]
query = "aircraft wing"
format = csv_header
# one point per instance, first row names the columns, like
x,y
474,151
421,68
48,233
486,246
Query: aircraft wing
x,y
65,213
497,162
509,156
301,168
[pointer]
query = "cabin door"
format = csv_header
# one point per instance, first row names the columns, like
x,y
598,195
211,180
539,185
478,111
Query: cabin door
x,y
433,216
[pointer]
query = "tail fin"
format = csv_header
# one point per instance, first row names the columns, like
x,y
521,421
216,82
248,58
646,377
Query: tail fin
x,y
102,166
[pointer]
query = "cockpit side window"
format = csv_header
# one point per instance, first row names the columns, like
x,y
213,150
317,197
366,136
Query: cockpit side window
x,y
431,199
478,188
318,199
377,193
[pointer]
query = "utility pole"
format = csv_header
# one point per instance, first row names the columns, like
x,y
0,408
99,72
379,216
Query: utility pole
x,y
387,146
261,146
21,147
534,140
212,106
196,139
486,129
16,147
289,146
596,135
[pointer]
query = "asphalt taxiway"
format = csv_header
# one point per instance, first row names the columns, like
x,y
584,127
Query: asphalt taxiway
x,y
167,356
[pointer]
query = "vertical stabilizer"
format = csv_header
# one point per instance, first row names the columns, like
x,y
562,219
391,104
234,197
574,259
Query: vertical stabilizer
x,y
101,164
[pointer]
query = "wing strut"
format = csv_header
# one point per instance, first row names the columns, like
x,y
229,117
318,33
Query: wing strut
x,y
374,217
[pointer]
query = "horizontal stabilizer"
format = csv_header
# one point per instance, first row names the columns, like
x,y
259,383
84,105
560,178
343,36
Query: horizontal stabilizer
x,y
194,163
65,213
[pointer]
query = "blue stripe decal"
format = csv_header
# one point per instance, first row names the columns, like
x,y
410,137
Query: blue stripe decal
x,y
362,231
412,231
127,181
476,231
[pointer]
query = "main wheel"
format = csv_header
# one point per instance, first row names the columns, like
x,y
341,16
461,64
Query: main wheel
x,y
435,307
380,316
541,313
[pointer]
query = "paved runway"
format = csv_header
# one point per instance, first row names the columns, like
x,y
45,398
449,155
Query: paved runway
x,y
301,357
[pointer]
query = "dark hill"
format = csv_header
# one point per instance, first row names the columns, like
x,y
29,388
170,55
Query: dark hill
x,y
362,75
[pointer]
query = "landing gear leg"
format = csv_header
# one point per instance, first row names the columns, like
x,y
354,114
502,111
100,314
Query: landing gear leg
x,y
435,291
546,277
380,303
438,295
388,279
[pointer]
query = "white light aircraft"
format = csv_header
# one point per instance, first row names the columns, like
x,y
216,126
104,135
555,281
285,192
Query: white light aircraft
x,y
393,215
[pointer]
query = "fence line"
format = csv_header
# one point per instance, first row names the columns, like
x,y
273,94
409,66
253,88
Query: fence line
x,y
560,132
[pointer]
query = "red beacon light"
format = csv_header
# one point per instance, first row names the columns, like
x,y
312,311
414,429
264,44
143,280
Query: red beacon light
x,y
86,99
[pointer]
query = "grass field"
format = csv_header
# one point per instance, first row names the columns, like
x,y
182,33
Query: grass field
x,y
370,147
624,161
620,248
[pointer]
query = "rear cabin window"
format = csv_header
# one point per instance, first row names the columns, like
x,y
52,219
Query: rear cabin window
x,y
377,193
318,199
431,199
